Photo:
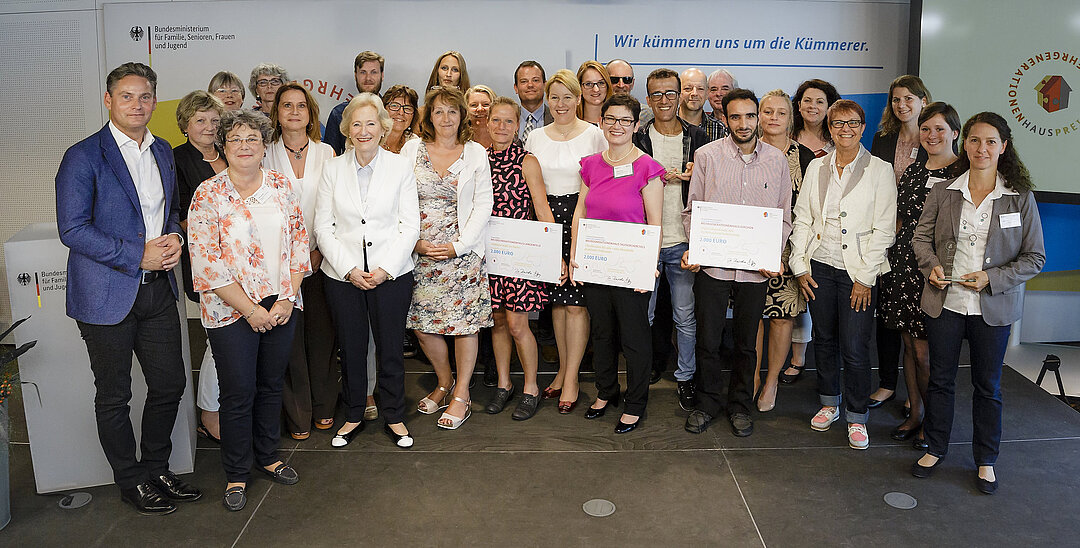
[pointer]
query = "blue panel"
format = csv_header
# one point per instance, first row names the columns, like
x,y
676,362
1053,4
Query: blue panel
x,y
874,105
1061,224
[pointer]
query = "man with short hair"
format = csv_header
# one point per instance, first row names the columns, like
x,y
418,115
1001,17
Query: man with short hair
x,y
695,91
673,142
368,73
529,79
721,82
738,169
622,81
117,211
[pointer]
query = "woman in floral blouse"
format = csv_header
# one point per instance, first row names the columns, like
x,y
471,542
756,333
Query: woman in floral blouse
x,y
249,253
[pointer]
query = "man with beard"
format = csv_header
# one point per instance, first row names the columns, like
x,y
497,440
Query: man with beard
x,y
368,72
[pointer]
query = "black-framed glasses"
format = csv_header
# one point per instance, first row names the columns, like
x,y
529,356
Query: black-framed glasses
x,y
407,109
624,79
599,84
611,121
669,94
837,124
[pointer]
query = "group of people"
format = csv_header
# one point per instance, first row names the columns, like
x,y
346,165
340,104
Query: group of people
x,y
310,249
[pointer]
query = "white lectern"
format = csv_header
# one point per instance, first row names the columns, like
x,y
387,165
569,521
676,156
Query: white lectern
x,y
58,389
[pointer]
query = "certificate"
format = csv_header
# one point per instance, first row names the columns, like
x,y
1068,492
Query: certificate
x,y
530,250
615,253
736,236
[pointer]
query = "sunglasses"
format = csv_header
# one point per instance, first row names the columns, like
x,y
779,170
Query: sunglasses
x,y
624,79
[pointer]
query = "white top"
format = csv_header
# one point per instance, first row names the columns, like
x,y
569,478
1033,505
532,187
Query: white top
x,y
268,221
668,151
306,187
143,168
971,244
560,161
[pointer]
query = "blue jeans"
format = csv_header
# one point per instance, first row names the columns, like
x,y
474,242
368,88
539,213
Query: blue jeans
x,y
681,283
987,344
841,336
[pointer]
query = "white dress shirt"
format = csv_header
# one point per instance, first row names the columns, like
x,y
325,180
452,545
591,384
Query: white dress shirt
x,y
831,251
306,187
144,172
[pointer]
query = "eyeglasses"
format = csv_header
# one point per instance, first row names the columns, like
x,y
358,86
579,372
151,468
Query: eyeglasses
x,y
230,91
624,79
611,121
268,82
669,94
407,109
599,84
837,124
250,141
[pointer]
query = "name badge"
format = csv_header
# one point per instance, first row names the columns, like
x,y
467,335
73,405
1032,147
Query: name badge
x,y
914,153
1009,220
932,181
263,194
456,167
624,170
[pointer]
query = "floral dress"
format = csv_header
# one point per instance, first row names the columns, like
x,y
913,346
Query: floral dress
x,y
512,200
901,288
450,297
782,296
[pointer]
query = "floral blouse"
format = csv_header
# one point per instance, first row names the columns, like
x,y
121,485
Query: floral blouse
x,y
226,246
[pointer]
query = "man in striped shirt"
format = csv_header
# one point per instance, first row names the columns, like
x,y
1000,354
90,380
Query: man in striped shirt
x,y
738,169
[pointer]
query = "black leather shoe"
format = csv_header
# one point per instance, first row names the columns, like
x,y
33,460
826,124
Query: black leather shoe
x,y
921,471
175,488
698,421
984,486
790,379
147,500
283,474
341,440
594,413
408,347
874,404
624,428
235,499
402,441
491,375
502,396
526,407
920,444
655,376
741,424
687,394
903,434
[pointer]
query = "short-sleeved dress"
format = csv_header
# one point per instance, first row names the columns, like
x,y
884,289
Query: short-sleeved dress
x,y
450,297
782,296
901,288
560,162
513,200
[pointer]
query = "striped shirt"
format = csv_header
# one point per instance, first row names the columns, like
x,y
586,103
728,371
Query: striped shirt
x,y
722,175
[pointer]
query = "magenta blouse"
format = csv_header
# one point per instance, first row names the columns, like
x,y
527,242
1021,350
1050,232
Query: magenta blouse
x,y
617,199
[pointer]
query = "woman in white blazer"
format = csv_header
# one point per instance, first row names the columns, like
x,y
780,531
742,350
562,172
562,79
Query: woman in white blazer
x,y
845,219
311,386
367,221
451,297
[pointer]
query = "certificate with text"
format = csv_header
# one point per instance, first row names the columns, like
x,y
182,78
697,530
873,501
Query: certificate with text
x,y
518,248
736,236
617,254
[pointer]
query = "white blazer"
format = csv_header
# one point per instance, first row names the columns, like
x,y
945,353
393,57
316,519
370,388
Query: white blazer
x,y
474,199
867,217
387,224
277,159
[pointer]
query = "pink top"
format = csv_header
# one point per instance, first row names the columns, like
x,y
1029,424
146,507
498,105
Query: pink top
x,y
617,199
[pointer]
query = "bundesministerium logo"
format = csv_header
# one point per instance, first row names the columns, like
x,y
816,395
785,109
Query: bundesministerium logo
x,y
1040,80
136,33
24,278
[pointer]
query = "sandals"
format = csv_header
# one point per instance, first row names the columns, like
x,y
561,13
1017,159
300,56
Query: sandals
x,y
455,422
324,424
429,406
204,432
790,379
300,436
371,413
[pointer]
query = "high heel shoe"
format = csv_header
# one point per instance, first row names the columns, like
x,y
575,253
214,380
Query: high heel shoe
x,y
567,407
455,422
341,440
429,406
404,441
764,407
594,413
550,393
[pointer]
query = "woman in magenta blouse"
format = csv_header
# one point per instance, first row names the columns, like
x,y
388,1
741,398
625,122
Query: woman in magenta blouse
x,y
621,184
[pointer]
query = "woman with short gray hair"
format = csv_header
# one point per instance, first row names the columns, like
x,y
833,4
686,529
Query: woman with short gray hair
x,y
264,82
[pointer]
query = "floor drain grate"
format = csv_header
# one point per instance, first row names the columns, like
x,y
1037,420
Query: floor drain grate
x,y
901,501
598,508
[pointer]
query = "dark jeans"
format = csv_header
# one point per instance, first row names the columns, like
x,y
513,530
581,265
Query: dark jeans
x,y
383,309
152,331
711,297
251,372
622,314
311,384
987,343
841,337
888,354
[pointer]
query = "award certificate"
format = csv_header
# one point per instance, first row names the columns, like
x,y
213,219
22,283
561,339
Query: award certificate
x,y
736,236
518,248
616,253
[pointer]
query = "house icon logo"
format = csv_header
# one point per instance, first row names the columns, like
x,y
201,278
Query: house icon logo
x,y
1053,93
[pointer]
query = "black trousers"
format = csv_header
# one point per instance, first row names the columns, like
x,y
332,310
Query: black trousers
x,y
152,331
383,311
620,314
251,372
311,384
889,345
711,298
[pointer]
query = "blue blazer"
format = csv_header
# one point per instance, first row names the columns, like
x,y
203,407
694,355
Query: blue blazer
x,y
100,221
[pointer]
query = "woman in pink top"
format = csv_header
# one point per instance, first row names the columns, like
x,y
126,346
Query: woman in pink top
x,y
621,184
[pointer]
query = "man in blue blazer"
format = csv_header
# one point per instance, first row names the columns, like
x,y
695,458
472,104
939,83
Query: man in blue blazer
x,y
117,212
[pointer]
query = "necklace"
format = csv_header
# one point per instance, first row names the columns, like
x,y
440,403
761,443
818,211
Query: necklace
x,y
613,161
297,153
215,158
565,134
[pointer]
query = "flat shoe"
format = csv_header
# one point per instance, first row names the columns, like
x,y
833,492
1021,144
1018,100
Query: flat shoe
x,y
300,436
986,487
498,403
526,407
626,427
341,440
235,499
324,424
283,474
921,471
790,379
371,413
874,404
455,422
920,444
903,434
402,441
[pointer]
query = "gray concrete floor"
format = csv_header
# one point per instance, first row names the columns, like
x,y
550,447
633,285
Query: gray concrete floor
x,y
501,482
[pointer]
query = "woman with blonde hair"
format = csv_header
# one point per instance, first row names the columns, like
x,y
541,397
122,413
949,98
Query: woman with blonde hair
x,y
478,99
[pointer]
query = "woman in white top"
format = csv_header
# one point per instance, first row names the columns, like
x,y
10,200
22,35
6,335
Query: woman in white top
x,y
311,386
559,147
367,219
845,219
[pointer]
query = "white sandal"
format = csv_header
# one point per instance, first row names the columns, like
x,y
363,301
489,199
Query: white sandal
x,y
429,406
455,422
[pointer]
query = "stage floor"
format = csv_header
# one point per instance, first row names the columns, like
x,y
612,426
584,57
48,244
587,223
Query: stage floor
x,y
501,482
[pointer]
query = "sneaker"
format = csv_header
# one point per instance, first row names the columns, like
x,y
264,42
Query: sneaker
x,y
856,436
824,418
687,395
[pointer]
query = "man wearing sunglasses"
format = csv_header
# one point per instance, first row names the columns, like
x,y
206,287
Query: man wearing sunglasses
x,y
622,81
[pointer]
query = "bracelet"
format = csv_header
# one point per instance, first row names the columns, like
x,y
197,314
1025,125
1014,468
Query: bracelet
x,y
253,309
